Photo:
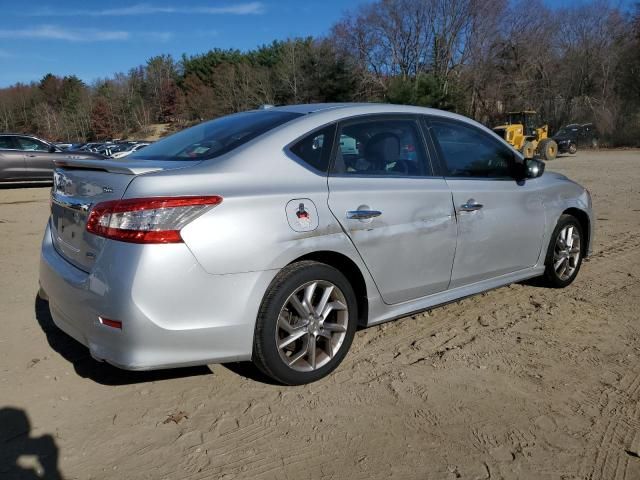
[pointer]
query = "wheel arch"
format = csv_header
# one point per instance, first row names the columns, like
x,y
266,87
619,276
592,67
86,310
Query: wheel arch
x,y
585,224
350,270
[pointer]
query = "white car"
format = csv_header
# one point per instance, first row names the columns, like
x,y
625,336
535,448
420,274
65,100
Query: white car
x,y
134,148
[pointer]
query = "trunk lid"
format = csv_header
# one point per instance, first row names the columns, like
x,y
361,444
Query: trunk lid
x,y
78,185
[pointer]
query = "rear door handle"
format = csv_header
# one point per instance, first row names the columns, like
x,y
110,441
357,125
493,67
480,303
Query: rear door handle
x,y
470,206
363,214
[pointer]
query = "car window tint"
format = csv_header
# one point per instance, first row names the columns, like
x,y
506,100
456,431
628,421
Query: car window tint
x,y
216,137
469,152
6,143
32,145
381,148
315,148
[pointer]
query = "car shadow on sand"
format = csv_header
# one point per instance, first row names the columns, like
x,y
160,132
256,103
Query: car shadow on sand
x,y
249,371
535,282
100,372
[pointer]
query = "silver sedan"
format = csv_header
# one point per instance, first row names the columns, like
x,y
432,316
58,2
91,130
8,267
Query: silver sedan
x,y
271,235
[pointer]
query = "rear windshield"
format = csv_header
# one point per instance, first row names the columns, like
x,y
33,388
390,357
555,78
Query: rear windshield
x,y
214,138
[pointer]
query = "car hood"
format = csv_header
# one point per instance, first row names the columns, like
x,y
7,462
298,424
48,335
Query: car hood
x,y
557,176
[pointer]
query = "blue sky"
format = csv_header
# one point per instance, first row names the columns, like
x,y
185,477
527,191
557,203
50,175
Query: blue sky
x,y
94,38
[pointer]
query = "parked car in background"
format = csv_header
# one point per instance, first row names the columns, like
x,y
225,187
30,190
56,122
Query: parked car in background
x,y
88,147
270,235
76,146
109,149
25,158
574,136
132,149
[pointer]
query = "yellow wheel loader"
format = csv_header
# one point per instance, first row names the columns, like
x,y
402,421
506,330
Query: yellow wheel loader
x,y
524,131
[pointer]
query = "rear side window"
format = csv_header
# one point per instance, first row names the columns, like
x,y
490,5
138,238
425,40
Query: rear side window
x,y
214,138
315,148
469,152
7,143
381,147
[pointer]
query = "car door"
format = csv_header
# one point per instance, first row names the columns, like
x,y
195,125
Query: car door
x,y
12,162
39,159
500,219
399,216
582,137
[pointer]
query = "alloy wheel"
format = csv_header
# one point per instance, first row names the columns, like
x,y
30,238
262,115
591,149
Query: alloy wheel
x,y
312,326
566,253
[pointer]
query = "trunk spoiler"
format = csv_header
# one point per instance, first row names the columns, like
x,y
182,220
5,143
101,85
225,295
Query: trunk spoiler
x,y
126,167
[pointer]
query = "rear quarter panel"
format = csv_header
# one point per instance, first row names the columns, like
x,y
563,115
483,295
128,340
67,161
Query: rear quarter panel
x,y
249,230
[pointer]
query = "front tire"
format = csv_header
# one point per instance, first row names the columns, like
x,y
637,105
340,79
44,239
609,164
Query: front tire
x,y
306,323
528,149
548,149
564,255
572,148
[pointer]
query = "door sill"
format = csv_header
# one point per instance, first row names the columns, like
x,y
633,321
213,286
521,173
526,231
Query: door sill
x,y
380,312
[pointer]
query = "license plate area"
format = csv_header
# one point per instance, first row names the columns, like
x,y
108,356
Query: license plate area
x,y
69,225
70,238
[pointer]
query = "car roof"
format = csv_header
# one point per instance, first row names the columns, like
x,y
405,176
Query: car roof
x,y
306,108
4,134
346,109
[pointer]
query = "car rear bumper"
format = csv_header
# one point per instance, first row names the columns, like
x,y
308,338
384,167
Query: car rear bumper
x,y
173,313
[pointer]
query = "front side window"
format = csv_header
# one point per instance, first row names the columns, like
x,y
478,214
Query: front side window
x,y
315,148
381,148
469,152
214,138
32,145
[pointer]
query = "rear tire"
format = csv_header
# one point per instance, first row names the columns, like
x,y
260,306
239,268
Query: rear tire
x,y
564,254
306,323
548,149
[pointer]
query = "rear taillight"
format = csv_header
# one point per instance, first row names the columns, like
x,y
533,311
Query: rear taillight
x,y
147,220
110,323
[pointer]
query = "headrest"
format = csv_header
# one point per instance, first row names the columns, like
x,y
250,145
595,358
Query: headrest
x,y
382,149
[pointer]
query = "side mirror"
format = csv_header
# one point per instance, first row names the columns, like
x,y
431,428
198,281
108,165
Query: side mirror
x,y
52,149
534,168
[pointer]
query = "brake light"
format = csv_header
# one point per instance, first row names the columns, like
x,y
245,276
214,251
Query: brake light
x,y
147,220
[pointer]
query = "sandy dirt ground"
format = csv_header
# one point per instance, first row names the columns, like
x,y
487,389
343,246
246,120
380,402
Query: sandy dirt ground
x,y
518,383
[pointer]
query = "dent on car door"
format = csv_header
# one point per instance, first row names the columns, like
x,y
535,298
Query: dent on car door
x,y
398,216
500,219
37,156
12,162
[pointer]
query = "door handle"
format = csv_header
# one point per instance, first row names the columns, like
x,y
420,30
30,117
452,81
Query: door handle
x,y
363,214
31,155
470,206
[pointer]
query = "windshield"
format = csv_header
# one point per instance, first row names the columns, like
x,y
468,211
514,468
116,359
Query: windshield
x,y
567,132
214,138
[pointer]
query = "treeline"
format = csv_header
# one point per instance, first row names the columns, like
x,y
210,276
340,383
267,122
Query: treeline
x,y
480,58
